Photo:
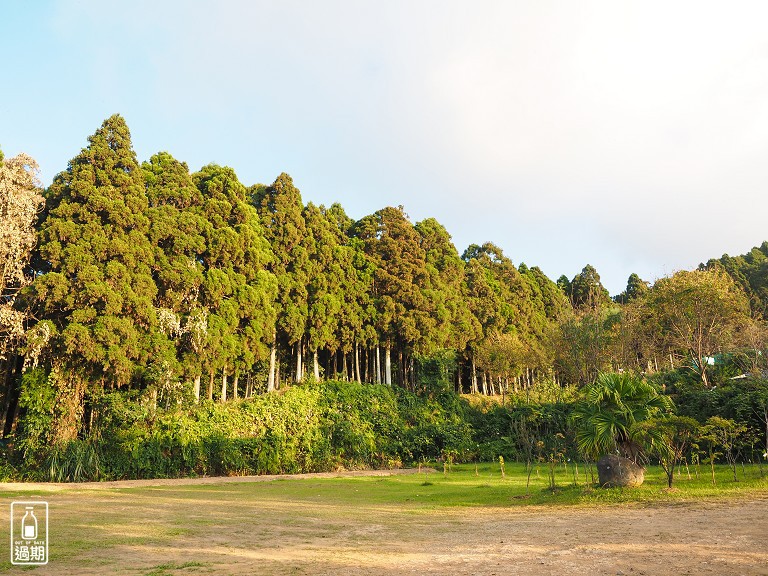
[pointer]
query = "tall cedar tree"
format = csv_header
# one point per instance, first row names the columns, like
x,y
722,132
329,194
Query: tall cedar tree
x,y
280,208
325,290
98,290
238,291
454,323
178,232
405,302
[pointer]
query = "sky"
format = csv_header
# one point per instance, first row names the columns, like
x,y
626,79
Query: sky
x,y
632,136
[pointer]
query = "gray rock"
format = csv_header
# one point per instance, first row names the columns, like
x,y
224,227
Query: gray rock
x,y
616,471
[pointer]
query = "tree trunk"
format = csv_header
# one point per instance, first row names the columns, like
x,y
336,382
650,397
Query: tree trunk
x,y
298,361
357,362
13,391
388,366
234,385
224,385
196,388
316,366
272,357
277,376
210,386
474,390
377,367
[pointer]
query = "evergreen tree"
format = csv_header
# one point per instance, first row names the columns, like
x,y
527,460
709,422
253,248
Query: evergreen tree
x,y
750,272
97,289
403,315
178,232
238,291
586,290
325,291
281,210
636,288
454,323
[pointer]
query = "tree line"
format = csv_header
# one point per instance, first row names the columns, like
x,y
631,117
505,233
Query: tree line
x,y
187,286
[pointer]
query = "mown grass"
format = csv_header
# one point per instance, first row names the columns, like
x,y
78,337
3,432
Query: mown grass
x,y
98,529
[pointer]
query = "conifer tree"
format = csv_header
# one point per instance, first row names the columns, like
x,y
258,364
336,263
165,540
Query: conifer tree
x,y
325,291
238,291
280,208
403,314
178,232
95,247
98,290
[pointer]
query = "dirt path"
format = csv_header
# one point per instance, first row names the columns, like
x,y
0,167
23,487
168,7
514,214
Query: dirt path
x,y
54,486
266,529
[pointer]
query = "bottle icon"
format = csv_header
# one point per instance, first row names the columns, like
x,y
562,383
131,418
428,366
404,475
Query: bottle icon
x,y
29,524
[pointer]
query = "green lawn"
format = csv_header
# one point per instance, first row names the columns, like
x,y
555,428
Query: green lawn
x,y
106,530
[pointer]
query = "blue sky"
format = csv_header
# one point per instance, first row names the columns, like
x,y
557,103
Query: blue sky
x,y
629,135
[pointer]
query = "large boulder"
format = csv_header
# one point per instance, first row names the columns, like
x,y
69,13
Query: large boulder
x,y
616,471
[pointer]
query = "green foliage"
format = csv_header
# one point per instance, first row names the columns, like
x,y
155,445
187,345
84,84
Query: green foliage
x,y
149,279
94,244
695,315
586,290
37,402
75,461
723,434
612,406
309,428
750,272
668,439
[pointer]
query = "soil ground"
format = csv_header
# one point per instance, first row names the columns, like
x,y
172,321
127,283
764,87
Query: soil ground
x,y
245,526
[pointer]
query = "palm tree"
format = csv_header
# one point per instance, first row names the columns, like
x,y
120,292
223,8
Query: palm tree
x,y
605,419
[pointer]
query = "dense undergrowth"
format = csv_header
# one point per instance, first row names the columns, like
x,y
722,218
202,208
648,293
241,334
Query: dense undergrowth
x,y
307,428
334,425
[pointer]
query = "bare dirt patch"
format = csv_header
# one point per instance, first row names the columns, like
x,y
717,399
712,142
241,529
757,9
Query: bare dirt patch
x,y
237,528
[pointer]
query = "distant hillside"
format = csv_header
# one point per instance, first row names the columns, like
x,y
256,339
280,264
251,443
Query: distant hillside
x,y
750,271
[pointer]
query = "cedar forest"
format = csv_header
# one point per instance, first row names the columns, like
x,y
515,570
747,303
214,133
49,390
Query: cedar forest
x,y
156,323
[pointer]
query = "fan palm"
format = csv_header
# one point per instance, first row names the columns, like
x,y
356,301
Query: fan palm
x,y
605,419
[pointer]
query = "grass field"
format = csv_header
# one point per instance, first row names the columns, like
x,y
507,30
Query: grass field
x,y
428,522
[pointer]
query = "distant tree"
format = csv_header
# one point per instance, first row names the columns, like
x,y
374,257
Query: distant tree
x,y
405,318
444,291
178,233
517,311
325,289
697,314
750,272
238,291
586,290
636,288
